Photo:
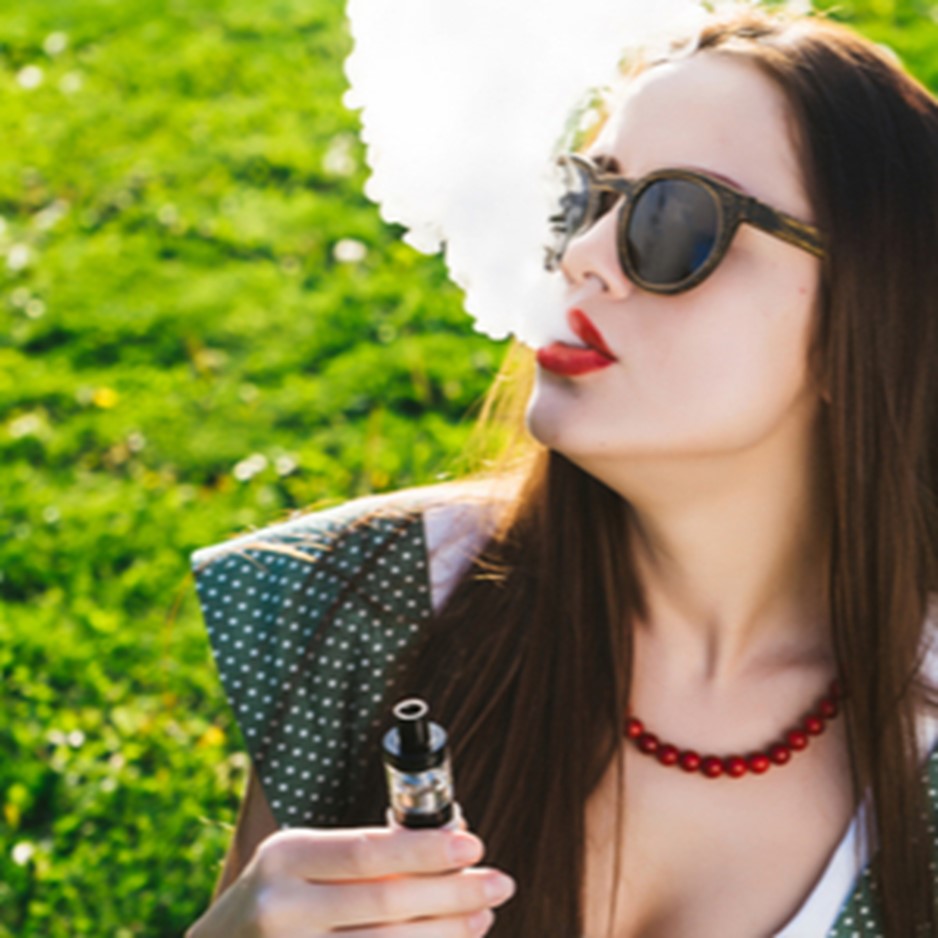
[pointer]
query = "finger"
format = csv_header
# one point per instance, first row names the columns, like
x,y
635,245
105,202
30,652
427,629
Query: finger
x,y
461,926
402,899
365,853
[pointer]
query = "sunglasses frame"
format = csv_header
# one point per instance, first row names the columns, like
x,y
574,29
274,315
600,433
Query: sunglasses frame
x,y
733,208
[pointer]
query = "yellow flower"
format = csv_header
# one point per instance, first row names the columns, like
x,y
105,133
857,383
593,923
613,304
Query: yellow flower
x,y
213,736
11,814
105,398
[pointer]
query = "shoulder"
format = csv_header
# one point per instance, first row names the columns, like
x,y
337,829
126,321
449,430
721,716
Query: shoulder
x,y
309,621
312,563
437,528
307,535
392,553
454,517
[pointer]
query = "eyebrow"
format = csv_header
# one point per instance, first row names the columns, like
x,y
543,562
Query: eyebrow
x,y
611,164
723,178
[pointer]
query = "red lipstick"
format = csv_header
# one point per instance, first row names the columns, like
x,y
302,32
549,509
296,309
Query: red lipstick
x,y
570,360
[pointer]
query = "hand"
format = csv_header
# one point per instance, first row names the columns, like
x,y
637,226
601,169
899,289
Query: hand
x,y
367,882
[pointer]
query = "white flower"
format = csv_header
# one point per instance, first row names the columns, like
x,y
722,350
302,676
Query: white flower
x,y
349,251
285,465
18,257
26,425
339,159
23,852
29,77
55,43
245,470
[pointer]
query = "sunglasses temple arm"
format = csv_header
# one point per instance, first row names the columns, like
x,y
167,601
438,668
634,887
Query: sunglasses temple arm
x,y
785,227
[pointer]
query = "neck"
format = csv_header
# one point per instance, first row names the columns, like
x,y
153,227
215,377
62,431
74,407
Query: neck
x,y
732,552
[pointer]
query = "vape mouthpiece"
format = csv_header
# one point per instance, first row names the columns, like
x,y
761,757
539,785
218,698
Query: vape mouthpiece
x,y
417,769
413,726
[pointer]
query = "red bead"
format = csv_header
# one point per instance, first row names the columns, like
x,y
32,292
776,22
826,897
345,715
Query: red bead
x,y
837,689
648,742
735,766
634,728
828,708
667,755
712,767
813,725
796,740
759,763
779,754
690,761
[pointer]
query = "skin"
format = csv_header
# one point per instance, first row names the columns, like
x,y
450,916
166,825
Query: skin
x,y
707,422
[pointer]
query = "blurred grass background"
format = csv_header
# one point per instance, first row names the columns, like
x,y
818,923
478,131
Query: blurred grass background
x,y
204,325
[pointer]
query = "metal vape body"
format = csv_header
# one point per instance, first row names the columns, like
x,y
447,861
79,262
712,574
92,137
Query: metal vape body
x,y
418,770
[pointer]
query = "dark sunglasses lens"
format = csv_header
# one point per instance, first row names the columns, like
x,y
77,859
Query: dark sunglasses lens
x,y
672,231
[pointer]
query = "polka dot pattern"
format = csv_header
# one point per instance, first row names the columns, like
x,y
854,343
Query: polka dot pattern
x,y
860,917
307,657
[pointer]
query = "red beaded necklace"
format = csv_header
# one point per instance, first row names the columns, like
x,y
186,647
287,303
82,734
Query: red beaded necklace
x,y
794,740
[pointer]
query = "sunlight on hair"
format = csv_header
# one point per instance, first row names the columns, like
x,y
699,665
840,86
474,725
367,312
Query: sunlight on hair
x,y
463,105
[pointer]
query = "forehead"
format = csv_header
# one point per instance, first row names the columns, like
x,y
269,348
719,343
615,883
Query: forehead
x,y
713,112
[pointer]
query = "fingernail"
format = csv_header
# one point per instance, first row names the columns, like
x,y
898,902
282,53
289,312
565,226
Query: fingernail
x,y
482,921
499,888
465,849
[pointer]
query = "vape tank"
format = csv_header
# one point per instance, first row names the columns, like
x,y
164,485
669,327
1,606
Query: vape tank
x,y
417,769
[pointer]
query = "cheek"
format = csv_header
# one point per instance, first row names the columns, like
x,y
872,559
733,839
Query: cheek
x,y
731,368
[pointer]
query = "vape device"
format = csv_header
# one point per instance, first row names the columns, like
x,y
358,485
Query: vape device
x,y
417,769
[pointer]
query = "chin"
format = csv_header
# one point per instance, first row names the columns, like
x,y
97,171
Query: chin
x,y
545,426
557,434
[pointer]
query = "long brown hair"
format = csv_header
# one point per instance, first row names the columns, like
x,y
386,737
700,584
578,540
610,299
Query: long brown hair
x,y
529,663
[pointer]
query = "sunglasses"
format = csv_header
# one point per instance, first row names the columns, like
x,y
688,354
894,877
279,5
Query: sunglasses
x,y
674,225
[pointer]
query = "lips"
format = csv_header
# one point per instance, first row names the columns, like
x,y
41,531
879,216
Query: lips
x,y
572,360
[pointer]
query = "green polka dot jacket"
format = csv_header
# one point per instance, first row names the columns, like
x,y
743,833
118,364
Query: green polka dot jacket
x,y
306,697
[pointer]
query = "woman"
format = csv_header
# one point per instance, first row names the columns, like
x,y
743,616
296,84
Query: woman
x,y
635,631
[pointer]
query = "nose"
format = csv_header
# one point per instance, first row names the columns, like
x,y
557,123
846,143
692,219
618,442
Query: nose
x,y
594,254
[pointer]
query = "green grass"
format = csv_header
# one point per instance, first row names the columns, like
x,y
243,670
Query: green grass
x,y
176,185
